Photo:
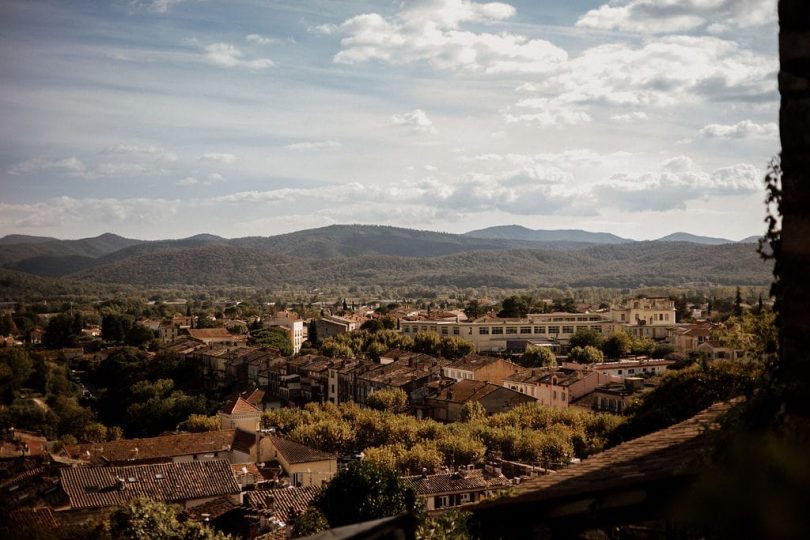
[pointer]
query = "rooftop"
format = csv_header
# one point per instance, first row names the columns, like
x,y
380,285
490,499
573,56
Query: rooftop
x,y
163,447
284,500
292,452
99,487
454,482
239,405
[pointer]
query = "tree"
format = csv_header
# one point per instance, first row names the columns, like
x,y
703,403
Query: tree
x,y
388,399
139,335
454,347
585,337
738,309
515,307
145,519
472,410
112,329
197,423
59,332
312,334
310,522
372,325
617,345
586,355
364,492
275,338
427,343
642,346
474,309
538,357
7,326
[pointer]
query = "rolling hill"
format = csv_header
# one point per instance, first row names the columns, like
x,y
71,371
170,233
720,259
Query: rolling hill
x,y
345,255
517,232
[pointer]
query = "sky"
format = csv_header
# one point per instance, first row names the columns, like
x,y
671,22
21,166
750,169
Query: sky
x,y
168,118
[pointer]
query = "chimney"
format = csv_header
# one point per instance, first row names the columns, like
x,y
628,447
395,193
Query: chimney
x,y
119,483
424,472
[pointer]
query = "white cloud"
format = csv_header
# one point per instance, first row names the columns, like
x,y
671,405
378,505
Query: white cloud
x,y
228,55
157,6
312,145
70,165
666,72
677,182
416,120
326,29
188,181
635,116
260,39
67,212
217,158
672,16
147,152
430,31
741,130
549,112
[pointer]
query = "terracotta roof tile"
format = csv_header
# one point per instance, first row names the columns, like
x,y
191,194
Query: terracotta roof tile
x,y
239,405
98,487
163,447
281,501
298,453
455,482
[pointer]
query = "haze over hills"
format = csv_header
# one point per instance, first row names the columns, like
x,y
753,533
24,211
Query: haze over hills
x,y
695,239
518,232
343,255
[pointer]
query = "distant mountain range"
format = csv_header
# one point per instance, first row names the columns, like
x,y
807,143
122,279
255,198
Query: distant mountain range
x,y
344,255
518,232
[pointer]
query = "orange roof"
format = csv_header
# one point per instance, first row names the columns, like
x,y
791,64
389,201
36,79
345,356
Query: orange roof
x,y
239,405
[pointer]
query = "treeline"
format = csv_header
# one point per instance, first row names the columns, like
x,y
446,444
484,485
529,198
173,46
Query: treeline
x,y
528,433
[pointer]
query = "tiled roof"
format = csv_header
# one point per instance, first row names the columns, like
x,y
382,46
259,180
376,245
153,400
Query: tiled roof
x,y
22,443
456,482
297,453
153,448
32,518
472,362
239,405
212,509
467,390
99,487
665,454
282,500
210,333
243,441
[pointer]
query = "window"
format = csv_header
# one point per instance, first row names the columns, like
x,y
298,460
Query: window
x,y
424,329
631,371
555,395
497,330
511,330
483,330
406,329
567,329
553,329
620,372
539,329
525,329
444,330
455,330
596,328
298,479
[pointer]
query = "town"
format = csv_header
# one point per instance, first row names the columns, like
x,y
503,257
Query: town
x,y
243,414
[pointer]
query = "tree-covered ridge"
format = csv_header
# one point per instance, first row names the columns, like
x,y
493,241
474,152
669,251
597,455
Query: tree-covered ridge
x,y
388,256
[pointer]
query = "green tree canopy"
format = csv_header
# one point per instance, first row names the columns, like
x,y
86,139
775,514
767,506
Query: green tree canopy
x,y
586,355
538,357
585,337
617,345
388,399
364,492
